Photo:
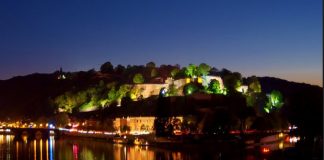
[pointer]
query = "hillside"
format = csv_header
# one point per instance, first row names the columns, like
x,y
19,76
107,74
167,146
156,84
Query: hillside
x,y
32,96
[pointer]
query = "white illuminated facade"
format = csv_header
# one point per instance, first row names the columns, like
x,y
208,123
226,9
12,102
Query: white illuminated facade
x,y
137,125
242,89
147,90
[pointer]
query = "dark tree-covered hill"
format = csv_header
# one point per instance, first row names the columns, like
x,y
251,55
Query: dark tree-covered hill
x,y
303,103
30,96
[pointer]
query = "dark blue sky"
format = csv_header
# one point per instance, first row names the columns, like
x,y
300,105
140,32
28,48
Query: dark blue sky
x,y
280,38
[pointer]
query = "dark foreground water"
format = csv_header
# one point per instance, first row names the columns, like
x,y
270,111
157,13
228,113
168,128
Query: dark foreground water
x,y
87,149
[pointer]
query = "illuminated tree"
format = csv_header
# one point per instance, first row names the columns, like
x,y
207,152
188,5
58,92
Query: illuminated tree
x,y
138,78
190,88
93,93
117,95
122,91
214,87
232,81
172,91
191,70
112,95
203,69
275,101
67,101
254,84
88,106
135,93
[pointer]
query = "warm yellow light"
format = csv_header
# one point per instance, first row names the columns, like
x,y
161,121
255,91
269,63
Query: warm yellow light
x,y
133,97
281,145
187,80
200,80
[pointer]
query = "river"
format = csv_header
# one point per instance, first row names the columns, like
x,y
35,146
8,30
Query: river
x,y
68,148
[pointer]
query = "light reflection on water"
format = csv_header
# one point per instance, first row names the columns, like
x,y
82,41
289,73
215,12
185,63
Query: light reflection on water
x,y
77,149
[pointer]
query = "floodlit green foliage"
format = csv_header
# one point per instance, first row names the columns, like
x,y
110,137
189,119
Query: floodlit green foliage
x,y
254,92
116,95
191,70
232,81
214,87
89,106
69,100
135,93
275,101
254,84
112,95
196,71
138,78
92,98
93,91
203,69
122,91
189,89
172,91
103,95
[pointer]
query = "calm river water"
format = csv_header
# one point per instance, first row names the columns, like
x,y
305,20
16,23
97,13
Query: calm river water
x,y
87,149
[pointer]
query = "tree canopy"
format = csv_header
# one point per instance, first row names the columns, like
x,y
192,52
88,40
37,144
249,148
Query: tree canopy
x,y
232,81
275,101
138,78
214,87
119,69
190,88
254,84
191,70
107,68
174,72
150,65
203,69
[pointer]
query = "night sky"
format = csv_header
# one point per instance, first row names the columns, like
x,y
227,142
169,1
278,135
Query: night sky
x,y
278,38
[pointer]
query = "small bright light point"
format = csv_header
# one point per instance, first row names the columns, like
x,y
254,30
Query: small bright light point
x,y
265,150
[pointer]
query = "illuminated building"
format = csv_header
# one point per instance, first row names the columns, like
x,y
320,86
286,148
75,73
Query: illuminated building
x,y
137,125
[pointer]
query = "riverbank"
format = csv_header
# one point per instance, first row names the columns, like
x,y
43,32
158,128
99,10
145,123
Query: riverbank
x,y
188,142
